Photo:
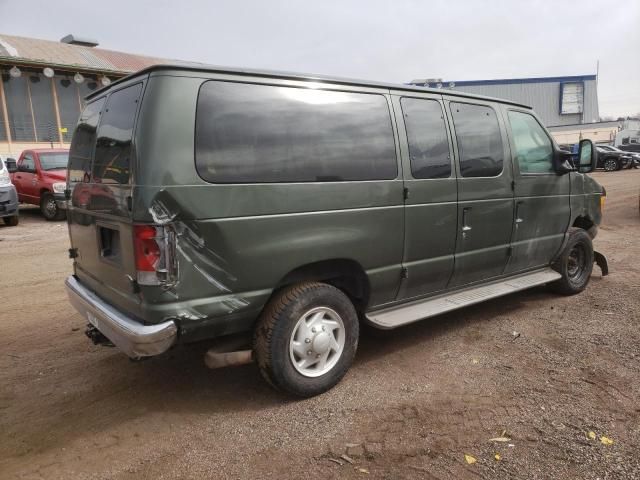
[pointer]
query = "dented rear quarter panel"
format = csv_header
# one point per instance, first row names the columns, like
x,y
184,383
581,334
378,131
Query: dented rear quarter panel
x,y
236,242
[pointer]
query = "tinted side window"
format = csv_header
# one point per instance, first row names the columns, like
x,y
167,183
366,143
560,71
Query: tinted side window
x,y
533,148
112,160
261,133
479,141
84,139
427,137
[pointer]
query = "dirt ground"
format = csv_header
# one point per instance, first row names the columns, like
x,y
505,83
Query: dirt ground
x,y
412,406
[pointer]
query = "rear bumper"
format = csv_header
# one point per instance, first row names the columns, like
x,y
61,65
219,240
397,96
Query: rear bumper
x,y
8,201
133,338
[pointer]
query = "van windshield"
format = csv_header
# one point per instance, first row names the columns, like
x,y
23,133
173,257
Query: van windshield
x,y
54,161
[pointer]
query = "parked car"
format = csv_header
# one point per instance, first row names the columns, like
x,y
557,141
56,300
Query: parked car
x,y
40,180
281,211
612,160
8,195
630,147
635,156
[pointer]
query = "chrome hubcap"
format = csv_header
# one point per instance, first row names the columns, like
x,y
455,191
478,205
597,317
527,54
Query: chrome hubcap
x,y
317,342
51,207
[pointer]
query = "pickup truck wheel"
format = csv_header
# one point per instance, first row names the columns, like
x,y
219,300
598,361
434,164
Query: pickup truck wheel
x,y
11,221
611,165
49,208
575,263
306,338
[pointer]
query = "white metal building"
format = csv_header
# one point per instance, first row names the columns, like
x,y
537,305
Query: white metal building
x,y
557,100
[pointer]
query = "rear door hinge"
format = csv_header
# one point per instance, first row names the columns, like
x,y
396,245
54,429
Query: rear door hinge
x,y
509,251
513,185
73,253
405,193
67,194
404,273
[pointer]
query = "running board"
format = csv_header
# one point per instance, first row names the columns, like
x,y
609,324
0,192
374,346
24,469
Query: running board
x,y
398,315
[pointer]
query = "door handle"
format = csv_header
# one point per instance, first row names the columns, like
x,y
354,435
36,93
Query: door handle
x,y
519,220
465,226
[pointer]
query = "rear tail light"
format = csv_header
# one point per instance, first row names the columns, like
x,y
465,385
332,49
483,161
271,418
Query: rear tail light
x,y
154,248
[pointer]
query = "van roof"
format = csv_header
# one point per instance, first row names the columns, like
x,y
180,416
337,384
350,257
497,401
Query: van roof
x,y
202,67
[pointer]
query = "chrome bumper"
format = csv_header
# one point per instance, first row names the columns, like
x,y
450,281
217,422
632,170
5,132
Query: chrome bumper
x,y
133,338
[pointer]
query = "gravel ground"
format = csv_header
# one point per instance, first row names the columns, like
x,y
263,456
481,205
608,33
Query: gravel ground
x,y
412,406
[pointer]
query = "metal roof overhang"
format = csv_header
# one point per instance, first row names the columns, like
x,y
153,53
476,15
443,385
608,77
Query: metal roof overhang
x,y
28,63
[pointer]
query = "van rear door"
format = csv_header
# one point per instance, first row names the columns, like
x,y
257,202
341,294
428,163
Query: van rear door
x,y
101,162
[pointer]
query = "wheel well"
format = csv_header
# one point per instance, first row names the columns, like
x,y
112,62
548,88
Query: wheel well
x,y
583,222
347,275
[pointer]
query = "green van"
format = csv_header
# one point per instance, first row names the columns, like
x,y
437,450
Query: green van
x,y
289,210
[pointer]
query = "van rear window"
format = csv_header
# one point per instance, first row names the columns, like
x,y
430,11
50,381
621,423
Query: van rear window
x,y
84,139
112,161
247,133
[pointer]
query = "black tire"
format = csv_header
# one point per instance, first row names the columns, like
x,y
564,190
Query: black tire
x,y
275,329
611,164
575,263
49,208
11,221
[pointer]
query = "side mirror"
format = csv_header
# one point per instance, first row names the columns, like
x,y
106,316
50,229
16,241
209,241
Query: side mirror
x,y
11,165
587,156
563,162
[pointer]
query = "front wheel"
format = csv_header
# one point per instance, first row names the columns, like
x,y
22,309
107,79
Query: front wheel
x,y
306,338
611,165
49,208
575,263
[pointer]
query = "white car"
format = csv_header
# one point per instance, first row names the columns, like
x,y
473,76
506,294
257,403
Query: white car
x,y
8,195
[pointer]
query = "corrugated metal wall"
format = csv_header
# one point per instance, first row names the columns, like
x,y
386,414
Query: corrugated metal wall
x,y
544,97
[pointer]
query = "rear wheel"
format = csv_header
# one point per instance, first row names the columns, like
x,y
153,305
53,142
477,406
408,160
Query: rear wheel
x,y
611,165
11,221
49,208
575,263
306,338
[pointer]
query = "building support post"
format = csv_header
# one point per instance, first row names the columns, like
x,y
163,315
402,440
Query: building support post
x,y
57,110
33,117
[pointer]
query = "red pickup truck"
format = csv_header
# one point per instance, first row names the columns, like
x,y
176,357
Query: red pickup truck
x,y
40,178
